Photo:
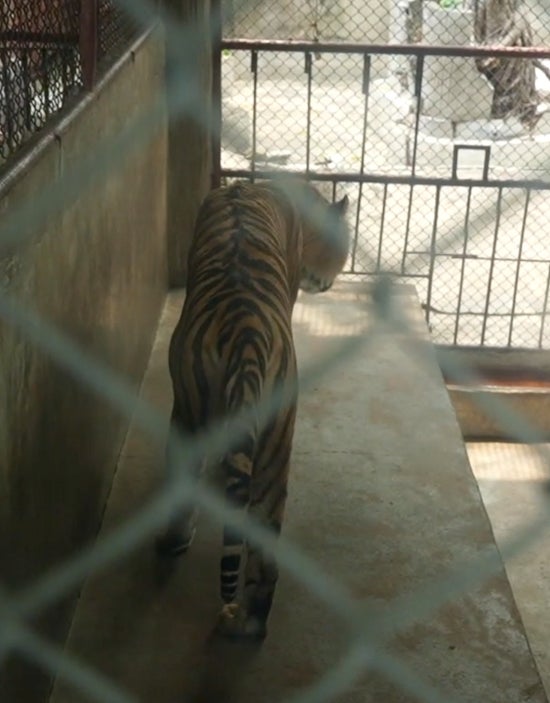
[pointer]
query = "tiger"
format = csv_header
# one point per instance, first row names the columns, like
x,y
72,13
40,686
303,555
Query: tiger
x,y
254,246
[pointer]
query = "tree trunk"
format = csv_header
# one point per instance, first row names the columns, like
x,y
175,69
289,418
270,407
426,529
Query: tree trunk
x,y
502,23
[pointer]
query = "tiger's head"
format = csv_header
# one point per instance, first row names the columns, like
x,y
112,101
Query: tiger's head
x,y
323,232
326,241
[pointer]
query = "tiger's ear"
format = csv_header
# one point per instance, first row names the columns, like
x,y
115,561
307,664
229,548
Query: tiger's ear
x,y
341,206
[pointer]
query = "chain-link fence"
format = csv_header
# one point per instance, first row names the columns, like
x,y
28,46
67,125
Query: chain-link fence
x,y
400,21
429,142
115,29
48,52
370,622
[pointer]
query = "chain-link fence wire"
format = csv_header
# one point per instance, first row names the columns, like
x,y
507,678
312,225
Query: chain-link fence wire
x,y
42,47
455,22
115,29
39,64
400,118
369,631
520,22
422,159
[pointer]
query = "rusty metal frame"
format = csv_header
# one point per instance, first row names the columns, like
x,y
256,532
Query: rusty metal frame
x,y
531,52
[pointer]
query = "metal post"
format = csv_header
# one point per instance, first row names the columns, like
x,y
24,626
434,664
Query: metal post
x,y
89,15
217,30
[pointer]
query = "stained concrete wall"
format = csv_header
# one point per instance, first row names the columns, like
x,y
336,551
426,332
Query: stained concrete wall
x,y
95,269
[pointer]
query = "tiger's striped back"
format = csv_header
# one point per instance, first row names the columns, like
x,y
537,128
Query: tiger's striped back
x,y
253,247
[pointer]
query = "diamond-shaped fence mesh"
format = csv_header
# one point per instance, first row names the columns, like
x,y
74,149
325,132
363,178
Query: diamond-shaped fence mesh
x,y
115,29
43,46
39,65
446,170
432,145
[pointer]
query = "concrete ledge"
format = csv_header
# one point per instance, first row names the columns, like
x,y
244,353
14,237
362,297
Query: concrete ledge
x,y
381,496
519,378
476,424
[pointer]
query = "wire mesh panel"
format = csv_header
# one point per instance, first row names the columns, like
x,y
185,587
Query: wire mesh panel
x,y
444,194
422,205
39,65
43,49
394,118
115,29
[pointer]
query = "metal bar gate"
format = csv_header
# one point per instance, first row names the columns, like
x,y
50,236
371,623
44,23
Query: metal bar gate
x,y
453,204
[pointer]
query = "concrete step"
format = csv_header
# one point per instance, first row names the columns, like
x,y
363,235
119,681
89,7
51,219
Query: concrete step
x,y
381,496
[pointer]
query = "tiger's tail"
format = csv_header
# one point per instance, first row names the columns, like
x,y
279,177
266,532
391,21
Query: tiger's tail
x,y
238,466
243,385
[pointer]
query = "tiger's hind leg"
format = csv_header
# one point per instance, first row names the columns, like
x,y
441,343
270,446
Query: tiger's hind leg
x,y
180,531
238,466
247,617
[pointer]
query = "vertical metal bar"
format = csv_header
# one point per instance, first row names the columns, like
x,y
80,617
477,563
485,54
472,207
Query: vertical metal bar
x,y
10,99
518,264
486,160
215,139
544,308
45,84
355,235
356,227
88,42
65,64
418,95
76,66
27,94
463,265
491,267
254,70
366,92
432,254
407,229
454,165
365,87
382,224
308,71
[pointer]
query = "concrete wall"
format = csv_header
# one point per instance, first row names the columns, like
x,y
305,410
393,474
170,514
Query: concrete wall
x,y
97,271
365,21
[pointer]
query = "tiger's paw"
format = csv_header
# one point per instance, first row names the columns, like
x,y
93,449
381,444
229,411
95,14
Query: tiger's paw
x,y
172,544
234,623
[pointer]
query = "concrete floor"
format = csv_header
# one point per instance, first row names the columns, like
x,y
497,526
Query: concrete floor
x,y
513,480
381,496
